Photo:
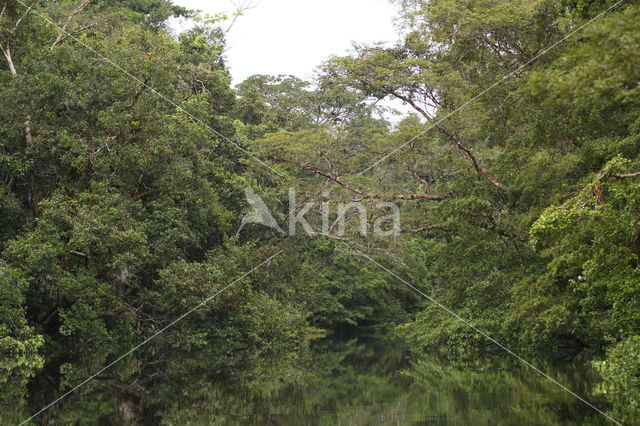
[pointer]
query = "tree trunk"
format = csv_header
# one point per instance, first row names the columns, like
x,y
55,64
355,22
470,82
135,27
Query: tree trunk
x,y
28,137
6,51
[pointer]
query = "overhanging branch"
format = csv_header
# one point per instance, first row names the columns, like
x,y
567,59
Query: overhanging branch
x,y
466,152
365,194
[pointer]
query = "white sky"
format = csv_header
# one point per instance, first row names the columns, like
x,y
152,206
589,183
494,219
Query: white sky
x,y
294,36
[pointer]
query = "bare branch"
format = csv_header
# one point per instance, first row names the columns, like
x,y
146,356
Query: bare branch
x,y
413,105
240,9
63,29
626,175
418,176
24,15
365,194
6,51
329,163
466,152
76,31
423,229
4,8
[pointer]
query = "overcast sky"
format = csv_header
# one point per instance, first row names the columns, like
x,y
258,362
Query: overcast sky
x,y
294,36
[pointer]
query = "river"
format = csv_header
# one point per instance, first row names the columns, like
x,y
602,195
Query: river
x,y
337,382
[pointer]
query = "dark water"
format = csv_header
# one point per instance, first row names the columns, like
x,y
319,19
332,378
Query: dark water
x,y
344,383
373,383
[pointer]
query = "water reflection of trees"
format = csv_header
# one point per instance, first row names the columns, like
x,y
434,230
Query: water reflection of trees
x,y
348,382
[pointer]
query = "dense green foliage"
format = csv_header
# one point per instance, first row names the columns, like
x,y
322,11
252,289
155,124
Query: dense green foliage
x,y
620,372
125,154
